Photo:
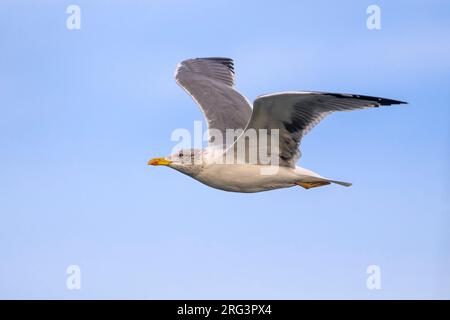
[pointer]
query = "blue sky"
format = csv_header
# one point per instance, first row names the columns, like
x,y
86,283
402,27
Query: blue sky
x,y
83,110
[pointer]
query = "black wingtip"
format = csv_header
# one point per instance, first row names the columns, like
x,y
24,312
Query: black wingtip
x,y
378,100
388,102
228,62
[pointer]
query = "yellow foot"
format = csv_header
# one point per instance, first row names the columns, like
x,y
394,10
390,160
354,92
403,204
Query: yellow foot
x,y
309,185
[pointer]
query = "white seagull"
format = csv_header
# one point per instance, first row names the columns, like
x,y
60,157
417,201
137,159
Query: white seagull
x,y
210,82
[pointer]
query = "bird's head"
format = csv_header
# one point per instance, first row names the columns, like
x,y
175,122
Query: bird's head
x,y
188,161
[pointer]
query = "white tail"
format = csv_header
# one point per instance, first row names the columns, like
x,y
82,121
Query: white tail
x,y
342,183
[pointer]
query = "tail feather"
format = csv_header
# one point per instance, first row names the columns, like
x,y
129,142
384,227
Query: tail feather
x,y
342,183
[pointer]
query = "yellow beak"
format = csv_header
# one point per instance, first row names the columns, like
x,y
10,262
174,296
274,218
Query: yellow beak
x,y
159,162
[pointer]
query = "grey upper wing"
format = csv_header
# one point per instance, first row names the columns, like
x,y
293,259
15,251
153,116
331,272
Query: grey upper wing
x,y
294,114
210,82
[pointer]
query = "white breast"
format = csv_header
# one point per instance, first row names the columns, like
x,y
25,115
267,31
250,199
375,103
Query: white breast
x,y
247,178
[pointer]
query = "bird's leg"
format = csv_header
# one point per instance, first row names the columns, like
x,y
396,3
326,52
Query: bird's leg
x,y
309,185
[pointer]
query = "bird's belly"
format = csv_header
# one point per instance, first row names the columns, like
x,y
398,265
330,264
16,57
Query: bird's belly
x,y
246,178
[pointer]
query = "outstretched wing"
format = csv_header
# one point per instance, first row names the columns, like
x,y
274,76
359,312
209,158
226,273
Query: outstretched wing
x,y
210,82
294,114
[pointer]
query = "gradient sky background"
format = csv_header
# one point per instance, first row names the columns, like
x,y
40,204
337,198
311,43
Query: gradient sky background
x,y
82,112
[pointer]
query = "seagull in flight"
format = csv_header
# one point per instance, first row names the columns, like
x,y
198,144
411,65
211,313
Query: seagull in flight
x,y
210,82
